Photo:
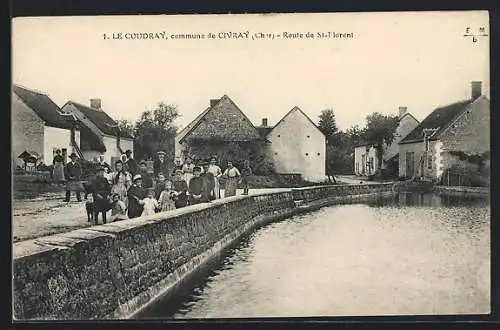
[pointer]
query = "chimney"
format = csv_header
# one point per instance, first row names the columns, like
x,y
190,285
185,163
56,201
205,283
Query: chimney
x,y
402,111
476,89
95,104
264,122
213,102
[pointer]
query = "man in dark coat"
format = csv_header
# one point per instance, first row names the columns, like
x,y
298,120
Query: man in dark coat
x,y
147,179
100,192
136,194
195,187
73,176
159,185
130,163
160,165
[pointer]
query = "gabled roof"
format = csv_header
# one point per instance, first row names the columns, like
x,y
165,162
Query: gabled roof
x,y
100,118
224,120
439,119
194,122
296,108
44,107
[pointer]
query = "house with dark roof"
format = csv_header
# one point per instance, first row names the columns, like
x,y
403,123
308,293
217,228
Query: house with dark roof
x,y
462,127
366,160
221,130
296,145
100,134
39,127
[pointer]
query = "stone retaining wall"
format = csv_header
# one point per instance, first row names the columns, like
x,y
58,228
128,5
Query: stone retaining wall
x,y
115,270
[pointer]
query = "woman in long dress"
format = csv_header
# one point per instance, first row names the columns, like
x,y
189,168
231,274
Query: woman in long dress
x,y
217,172
232,176
58,171
121,182
136,195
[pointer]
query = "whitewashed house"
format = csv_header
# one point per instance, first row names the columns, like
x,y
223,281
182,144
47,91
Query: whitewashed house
x,y
297,146
99,132
366,161
39,127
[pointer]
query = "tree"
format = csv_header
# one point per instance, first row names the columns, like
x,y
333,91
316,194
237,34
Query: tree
x,y
379,131
328,125
155,130
126,126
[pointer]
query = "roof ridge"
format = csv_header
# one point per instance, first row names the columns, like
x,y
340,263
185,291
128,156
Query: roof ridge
x,y
31,90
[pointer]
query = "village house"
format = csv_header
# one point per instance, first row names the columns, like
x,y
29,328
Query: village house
x,y
296,146
438,141
99,132
366,161
223,130
40,128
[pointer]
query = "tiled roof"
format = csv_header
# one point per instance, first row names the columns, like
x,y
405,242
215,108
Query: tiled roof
x,y
224,121
100,118
439,119
44,107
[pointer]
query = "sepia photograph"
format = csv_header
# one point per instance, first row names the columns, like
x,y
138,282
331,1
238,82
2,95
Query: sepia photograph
x,y
180,167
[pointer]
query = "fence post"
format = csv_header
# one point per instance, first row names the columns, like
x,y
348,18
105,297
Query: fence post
x,y
448,177
459,176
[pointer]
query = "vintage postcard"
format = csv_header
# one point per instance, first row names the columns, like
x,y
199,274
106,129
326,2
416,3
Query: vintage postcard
x,y
251,166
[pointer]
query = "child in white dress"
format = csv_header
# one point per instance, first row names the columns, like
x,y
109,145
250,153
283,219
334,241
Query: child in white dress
x,y
150,203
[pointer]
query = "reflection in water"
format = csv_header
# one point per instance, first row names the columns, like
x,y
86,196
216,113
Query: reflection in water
x,y
405,255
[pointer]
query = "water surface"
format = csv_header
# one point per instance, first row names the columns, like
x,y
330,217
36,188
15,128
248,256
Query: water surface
x,y
417,254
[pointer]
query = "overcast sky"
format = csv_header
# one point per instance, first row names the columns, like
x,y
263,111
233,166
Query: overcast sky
x,y
420,60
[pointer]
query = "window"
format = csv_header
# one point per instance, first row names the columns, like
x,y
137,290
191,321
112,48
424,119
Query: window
x,y
307,154
308,136
275,153
429,162
279,135
319,154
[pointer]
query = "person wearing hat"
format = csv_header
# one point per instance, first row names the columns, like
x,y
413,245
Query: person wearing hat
x,y
160,165
136,195
130,163
147,180
73,175
100,193
180,187
195,187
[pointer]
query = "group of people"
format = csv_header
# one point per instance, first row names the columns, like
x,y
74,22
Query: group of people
x,y
130,191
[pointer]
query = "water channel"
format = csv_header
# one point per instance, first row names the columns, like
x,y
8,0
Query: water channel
x,y
411,254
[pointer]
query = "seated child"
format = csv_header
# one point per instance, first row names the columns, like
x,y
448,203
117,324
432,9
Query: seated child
x,y
167,197
118,209
150,203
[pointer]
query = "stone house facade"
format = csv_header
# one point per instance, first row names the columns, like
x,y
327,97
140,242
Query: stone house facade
x,y
296,146
99,132
39,127
461,127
